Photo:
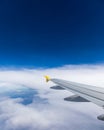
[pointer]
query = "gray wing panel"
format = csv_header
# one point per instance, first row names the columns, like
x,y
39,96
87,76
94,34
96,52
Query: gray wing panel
x,y
91,93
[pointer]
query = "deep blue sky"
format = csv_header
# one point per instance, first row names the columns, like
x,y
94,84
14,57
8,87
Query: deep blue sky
x,y
48,33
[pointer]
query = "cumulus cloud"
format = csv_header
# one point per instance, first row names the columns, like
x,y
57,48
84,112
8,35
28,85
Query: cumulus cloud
x,y
56,113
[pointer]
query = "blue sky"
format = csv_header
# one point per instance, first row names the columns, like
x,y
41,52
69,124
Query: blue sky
x,y
51,33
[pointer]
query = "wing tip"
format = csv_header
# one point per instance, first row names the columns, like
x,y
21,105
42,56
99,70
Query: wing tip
x,y
47,78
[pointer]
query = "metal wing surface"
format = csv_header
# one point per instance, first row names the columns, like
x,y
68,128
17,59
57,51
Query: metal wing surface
x,y
91,93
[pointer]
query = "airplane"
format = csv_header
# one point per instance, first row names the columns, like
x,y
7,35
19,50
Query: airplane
x,y
82,92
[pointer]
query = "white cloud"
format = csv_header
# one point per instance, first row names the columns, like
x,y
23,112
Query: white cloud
x,y
56,113
91,74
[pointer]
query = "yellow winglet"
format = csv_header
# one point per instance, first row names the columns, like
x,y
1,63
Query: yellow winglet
x,y
47,78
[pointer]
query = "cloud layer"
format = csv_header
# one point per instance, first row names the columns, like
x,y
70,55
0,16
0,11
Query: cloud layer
x,y
55,113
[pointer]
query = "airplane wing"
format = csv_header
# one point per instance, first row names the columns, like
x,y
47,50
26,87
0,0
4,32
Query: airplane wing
x,y
91,93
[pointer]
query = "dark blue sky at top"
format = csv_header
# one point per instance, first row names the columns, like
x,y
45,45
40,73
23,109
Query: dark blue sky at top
x,y
48,33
